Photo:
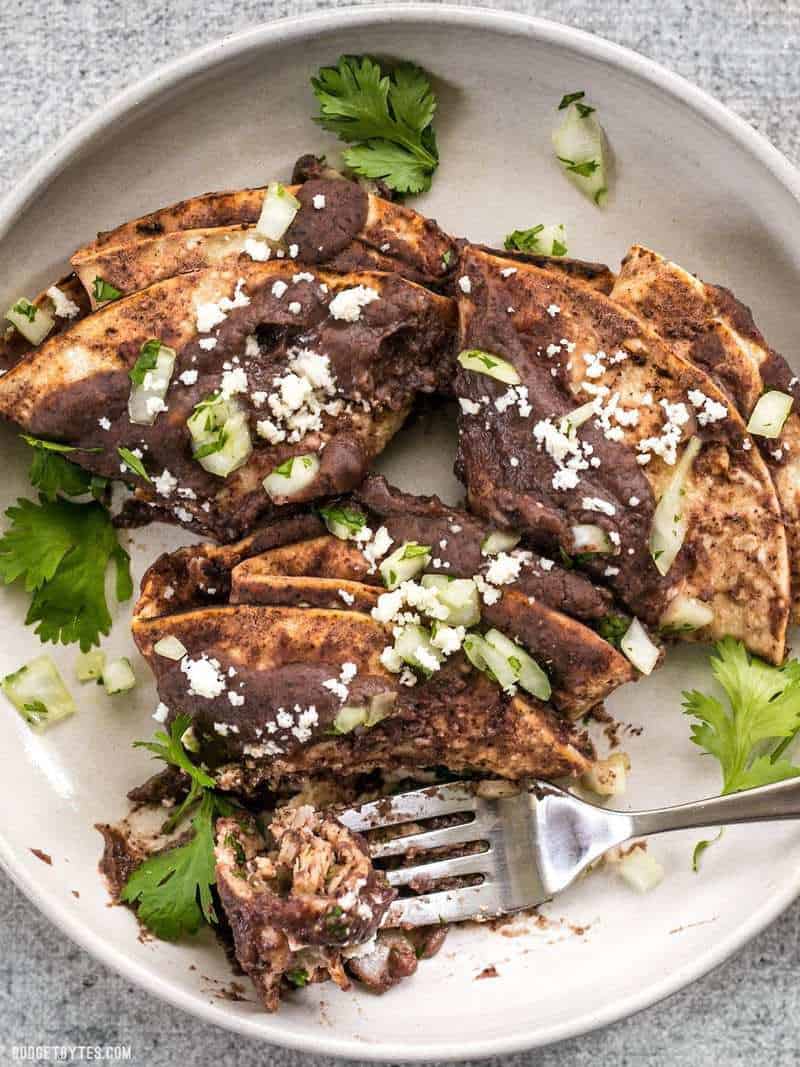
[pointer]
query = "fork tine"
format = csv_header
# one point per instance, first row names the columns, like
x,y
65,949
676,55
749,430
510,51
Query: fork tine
x,y
448,906
430,839
428,803
476,863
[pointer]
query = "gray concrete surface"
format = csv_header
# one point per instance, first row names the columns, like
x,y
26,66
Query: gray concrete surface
x,y
61,59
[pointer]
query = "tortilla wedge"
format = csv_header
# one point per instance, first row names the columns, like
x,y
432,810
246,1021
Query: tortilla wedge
x,y
708,326
281,721
75,388
353,231
570,345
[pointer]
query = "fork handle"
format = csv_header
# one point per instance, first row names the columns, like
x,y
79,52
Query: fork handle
x,y
780,800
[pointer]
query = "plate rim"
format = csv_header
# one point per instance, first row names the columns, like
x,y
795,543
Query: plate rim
x,y
48,167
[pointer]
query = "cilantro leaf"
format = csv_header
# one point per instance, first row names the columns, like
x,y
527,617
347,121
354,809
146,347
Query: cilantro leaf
x,y
52,474
612,628
570,98
133,463
764,705
61,550
387,118
173,888
524,240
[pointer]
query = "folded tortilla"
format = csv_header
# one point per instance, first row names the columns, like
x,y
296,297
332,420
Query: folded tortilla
x,y
708,326
570,344
384,339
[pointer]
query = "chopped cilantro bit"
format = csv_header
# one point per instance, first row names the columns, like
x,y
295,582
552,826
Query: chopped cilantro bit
x,y
146,360
104,291
524,240
386,117
412,550
352,521
26,309
613,628
298,977
584,170
570,98
51,474
132,462
285,468
559,248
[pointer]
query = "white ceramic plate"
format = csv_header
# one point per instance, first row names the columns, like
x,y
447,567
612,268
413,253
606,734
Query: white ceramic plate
x,y
691,180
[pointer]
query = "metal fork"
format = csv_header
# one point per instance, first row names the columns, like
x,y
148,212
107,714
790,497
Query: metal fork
x,y
537,839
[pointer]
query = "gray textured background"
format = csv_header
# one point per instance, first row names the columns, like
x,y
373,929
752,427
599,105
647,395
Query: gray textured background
x,y
61,59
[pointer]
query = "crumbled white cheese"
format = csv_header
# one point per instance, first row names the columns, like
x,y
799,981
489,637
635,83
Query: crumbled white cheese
x,y
504,568
546,564
235,698
464,284
188,377
708,409
318,201
553,310
294,251
348,598
207,343
161,712
596,503
165,483
63,307
347,304
295,307
233,382
468,407
506,272
260,251
104,423
208,316
279,288
204,677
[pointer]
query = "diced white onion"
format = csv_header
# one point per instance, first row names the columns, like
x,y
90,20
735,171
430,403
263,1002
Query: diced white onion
x,y
220,419
458,595
291,477
641,870
577,417
639,649
278,211
404,563
143,402
34,323
527,671
89,665
499,541
550,237
608,777
349,717
587,537
380,706
579,141
686,613
118,676
770,413
669,521
38,693
170,648
475,359
414,641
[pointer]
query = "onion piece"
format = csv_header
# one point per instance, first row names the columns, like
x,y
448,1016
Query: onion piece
x,y
475,359
669,523
349,717
579,144
292,477
639,649
404,563
150,386
277,212
34,323
458,595
499,541
641,870
220,435
413,645
118,676
552,239
686,613
170,648
89,665
577,417
770,413
489,660
343,522
589,538
527,671
608,777
38,693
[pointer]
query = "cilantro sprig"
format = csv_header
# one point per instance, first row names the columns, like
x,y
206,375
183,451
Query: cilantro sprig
x,y
61,551
172,889
386,117
52,474
763,707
